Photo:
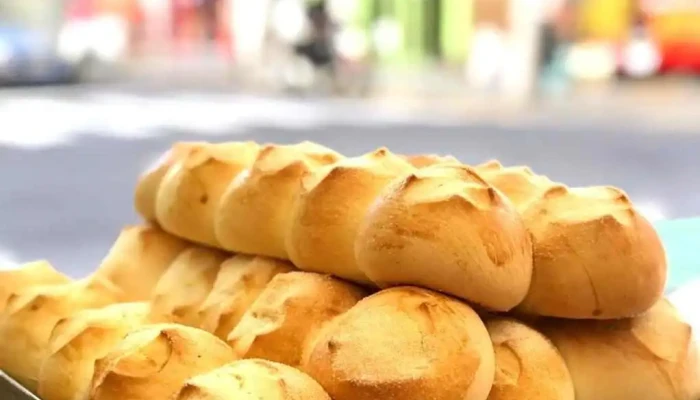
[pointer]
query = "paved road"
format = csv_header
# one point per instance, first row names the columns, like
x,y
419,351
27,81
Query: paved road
x,y
69,160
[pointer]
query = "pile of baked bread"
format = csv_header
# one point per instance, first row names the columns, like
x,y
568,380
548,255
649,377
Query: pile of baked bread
x,y
290,272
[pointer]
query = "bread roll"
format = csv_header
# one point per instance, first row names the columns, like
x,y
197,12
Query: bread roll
x,y
190,192
138,259
651,357
427,160
26,329
263,197
528,366
149,182
81,339
289,313
186,284
238,283
27,275
595,256
404,343
154,362
253,380
332,203
445,228
519,184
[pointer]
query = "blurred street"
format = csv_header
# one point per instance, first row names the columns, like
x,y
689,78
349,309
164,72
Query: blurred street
x,y
70,156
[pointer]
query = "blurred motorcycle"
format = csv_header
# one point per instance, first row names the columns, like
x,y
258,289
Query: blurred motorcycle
x,y
314,54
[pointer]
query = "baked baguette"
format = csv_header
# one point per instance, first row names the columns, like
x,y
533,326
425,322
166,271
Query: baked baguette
x,y
253,380
427,160
289,314
36,273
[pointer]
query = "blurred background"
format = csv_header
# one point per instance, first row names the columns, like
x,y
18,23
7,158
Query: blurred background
x,y
92,91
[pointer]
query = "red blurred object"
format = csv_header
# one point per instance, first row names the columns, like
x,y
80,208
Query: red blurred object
x,y
680,56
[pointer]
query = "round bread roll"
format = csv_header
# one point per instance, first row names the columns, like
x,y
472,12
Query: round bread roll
x,y
26,328
519,184
289,313
404,343
332,203
36,273
138,259
81,339
191,190
155,361
528,366
149,182
239,282
186,284
595,256
427,160
446,229
650,357
253,380
263,197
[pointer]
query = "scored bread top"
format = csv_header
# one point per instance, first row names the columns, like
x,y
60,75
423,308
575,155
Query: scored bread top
x,y
153,362
444,228
528,366
263,196
192,188
595,255
427,160
35,273
518,183
332,203
253,379
650,357
404,343
239,282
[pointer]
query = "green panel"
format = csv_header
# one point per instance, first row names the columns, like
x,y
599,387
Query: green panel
x,y
456,28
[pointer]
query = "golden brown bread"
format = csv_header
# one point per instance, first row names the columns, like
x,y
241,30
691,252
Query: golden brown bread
x,y
651,357
155,361
404,343
444,228
528,366
80,340
289,313
263,197
518,183
26,328
253,380
25,276
332,203
138,259
190,192
186,284
149,181
595,256
427,160
238,283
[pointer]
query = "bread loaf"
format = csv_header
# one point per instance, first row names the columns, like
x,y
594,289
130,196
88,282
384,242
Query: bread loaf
x,y
186,284
650,357
155,361
138,259
253,380
81,339
149,182
26,328
190,192
427,160
444,228
332,203
404,343
264,196
519,184
528,366
238,283
289,313
27,275
595,256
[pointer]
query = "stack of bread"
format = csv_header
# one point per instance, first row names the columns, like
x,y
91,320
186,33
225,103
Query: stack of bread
x,y
292,272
